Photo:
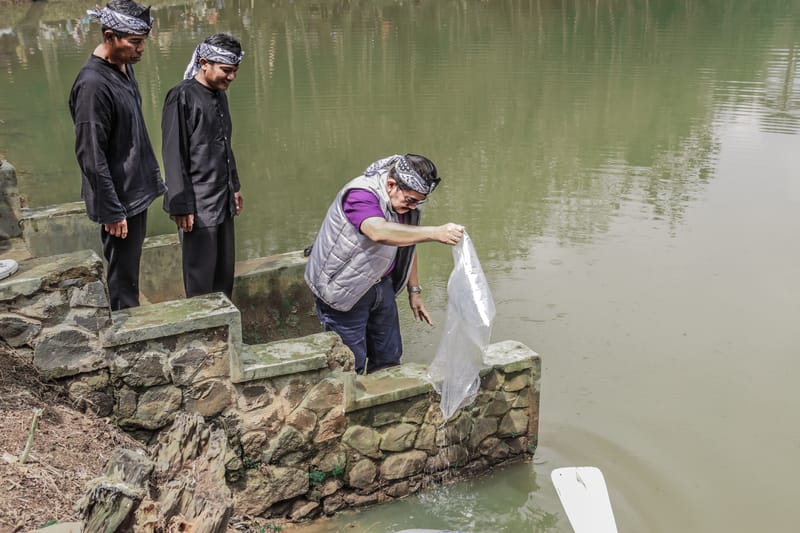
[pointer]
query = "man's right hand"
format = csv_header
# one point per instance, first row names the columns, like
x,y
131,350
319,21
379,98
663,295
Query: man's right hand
x,y
450,233
118,228
185,222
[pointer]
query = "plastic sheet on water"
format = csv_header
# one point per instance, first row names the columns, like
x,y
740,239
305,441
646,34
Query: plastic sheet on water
x,y
455,369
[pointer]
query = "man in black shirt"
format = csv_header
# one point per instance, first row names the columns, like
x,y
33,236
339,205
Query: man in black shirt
x,y
120,174
203,184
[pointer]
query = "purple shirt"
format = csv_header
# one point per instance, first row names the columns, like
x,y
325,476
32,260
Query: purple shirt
x,y
359,205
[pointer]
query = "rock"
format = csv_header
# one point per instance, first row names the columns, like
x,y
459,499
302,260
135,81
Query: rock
x,y
289,440
92,294
399,438
49,307
254,395
493,381
302,509
416,413
331,460
198,362
208,399
499,405
362,474
483,427
326,395
303,420
18,330
523,399
65,351
518,382
331,426
426,438
364,440
514,424
258,491
140,369
155,407
88,318
403,465
191,457
111,499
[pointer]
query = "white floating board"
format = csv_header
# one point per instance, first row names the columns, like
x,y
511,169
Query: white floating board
x,y
582,491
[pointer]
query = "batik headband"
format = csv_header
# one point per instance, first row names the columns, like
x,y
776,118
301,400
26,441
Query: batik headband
x,y
405,173
211,53
121,22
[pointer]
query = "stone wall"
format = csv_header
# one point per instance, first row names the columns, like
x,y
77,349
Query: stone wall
x,y
303,435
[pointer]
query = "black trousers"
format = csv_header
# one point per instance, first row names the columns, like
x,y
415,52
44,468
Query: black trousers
x,y
209,256
123,256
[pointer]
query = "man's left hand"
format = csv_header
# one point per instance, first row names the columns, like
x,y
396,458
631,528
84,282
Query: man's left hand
x,y
238,201
418,308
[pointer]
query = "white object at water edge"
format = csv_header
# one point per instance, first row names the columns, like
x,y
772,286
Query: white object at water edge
x,y
582,491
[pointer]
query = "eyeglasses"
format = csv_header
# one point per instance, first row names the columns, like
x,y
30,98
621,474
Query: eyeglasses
x,y
409,201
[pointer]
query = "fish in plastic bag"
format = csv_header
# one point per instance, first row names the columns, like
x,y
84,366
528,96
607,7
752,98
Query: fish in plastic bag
x,y
455,369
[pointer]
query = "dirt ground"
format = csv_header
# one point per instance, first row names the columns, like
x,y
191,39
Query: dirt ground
x,y
69,448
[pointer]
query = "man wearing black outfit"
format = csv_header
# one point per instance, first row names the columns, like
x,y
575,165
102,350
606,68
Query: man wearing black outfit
x,y
203,184
120,174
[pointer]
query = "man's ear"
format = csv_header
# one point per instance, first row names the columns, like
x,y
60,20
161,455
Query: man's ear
x,y
203,62
108,35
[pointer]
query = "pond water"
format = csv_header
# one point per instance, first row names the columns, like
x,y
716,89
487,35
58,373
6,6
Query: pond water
x,y
628,172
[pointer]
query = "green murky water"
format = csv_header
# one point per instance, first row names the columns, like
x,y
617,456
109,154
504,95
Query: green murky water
x,y
627,170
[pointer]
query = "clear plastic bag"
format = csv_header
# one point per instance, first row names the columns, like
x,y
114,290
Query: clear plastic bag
x,y
455,369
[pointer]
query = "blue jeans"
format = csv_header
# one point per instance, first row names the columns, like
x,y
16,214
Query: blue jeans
x,y
371,329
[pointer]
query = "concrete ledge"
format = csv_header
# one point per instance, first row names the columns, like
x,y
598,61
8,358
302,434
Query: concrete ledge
x,y
411,379
256,267
509,356
57,229
285,357
167,319
161,274
389,385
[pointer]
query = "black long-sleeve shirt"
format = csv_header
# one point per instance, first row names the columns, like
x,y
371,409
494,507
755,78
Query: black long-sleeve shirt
x,y
196,148
120,174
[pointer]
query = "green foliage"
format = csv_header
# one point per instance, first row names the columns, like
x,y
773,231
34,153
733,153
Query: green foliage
x,y
315,477
336,471
48,523
250,464
271,527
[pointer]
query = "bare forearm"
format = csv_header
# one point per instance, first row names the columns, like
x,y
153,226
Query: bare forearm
x,y
393,234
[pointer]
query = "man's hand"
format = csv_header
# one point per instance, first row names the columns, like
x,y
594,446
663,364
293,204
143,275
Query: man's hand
x,y
118,228
185,222
418,308
238,201
450,233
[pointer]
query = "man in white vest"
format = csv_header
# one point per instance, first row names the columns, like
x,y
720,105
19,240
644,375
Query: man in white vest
x,y
365,255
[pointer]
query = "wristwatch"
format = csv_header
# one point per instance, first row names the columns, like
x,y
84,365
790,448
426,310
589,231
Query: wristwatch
x,y
414,289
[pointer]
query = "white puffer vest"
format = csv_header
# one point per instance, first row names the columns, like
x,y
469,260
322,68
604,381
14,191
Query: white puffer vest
x,y
344,263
